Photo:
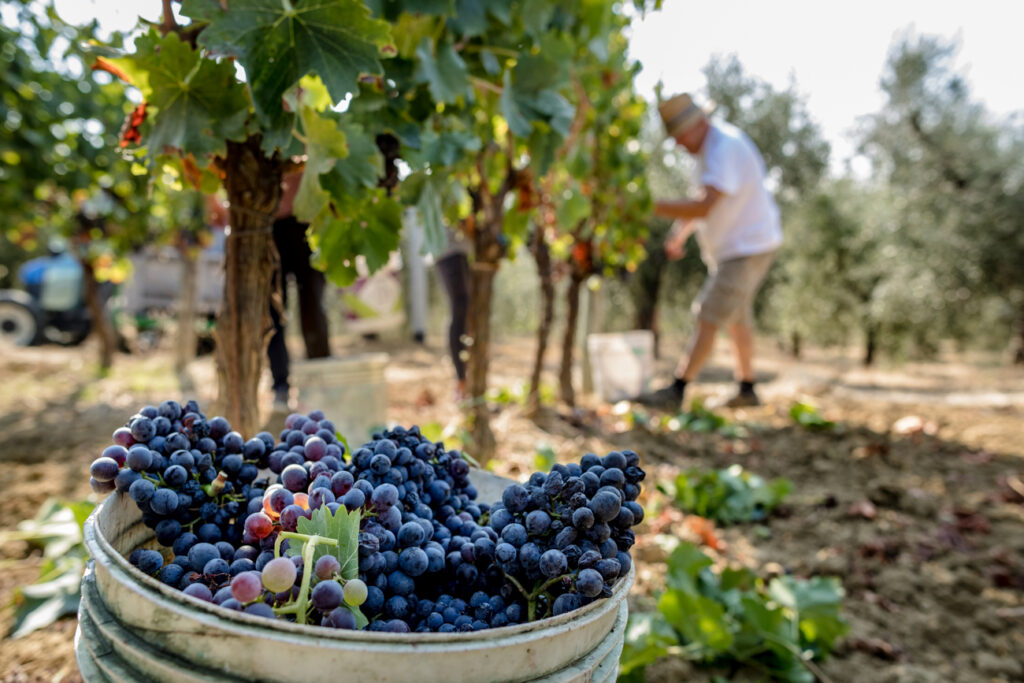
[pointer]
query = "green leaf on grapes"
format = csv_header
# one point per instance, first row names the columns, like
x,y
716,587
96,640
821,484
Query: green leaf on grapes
x,y
278,42
199,103
342,526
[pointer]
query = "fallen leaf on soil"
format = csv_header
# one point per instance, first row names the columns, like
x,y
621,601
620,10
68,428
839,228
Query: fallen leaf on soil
x,y
911,425
876,647
426,398
862,508
705,529
971,521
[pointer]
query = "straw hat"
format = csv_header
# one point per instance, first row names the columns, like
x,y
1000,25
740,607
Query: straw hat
x,y
681,113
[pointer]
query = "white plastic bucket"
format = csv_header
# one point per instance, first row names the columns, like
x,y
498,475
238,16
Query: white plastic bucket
x,y
134,628
351,387
621,363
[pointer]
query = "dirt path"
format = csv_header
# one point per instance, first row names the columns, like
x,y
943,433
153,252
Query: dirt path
x,y
935,579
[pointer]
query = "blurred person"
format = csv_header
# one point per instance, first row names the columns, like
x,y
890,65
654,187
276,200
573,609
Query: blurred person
x,y
294,253
737,226
452,267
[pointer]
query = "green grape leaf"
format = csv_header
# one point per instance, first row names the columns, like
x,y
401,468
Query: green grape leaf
x,y
443,71
278,42
517,119
325,144
700,619
815,605
346,228
500,10
359,169
410,30
342,526
199,102
470,18
648,637
573,208
684,564
537,15
445,149
490,63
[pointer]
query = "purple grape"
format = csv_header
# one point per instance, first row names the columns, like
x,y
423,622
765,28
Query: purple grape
x,y
104,469
246,587
327,595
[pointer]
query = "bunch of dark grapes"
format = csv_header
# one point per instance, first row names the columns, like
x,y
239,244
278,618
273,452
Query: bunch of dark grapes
x,y
193,479
420,538
565,536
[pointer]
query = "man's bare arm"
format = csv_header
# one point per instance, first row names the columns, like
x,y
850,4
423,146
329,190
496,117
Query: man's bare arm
x,y
688,209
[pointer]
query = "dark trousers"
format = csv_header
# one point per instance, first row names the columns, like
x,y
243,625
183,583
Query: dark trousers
x,y
454,273
290,238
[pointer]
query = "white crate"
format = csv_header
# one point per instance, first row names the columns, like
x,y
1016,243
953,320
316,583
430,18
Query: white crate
x,y
621,363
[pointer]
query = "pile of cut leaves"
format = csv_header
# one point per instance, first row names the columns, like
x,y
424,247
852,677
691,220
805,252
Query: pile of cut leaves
x,y
57,530
727,496
779,628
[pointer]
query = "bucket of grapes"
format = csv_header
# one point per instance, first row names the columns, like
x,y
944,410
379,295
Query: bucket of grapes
x,y
216,558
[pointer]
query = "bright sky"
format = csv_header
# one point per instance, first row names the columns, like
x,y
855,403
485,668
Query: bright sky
x,y
834,50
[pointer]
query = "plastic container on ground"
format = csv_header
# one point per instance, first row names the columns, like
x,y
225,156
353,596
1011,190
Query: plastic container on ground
x,y
353,388
621,363
133,628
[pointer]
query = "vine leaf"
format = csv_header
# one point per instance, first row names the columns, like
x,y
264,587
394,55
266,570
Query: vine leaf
x,y
342,526
199,102
278,42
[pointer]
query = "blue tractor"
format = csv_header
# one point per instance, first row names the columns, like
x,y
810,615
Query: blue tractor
x,y
51,307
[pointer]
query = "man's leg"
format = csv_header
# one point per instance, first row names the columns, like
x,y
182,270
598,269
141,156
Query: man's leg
x,y
277,354
700,348
454,273
311,284
742,331
742,335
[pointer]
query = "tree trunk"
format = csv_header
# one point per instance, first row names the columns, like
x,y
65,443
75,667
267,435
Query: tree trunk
x,y
253,184
185,346
478,325
870,345
795,344
542,255
565,388
101,325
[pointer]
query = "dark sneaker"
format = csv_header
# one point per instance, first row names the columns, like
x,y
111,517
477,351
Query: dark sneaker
x,y
667,398
743,399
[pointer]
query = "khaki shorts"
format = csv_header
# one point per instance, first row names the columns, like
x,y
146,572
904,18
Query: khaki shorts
x,y
728,293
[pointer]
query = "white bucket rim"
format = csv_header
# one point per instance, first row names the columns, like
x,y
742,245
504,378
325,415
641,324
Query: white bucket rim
x,y
103,553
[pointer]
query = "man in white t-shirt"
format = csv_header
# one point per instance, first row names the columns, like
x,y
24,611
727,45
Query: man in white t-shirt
x,y
737,225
